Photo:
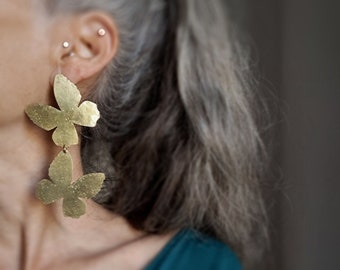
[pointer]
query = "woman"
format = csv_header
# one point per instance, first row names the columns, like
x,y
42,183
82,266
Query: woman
x,y
177,138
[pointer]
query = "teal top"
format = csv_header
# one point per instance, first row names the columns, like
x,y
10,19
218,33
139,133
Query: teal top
x,y
191,250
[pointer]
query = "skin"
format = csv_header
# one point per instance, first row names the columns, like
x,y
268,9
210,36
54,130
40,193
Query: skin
x,y
34,236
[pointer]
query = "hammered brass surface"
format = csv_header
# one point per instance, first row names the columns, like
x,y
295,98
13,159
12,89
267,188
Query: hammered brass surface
x,y
60,186
68,97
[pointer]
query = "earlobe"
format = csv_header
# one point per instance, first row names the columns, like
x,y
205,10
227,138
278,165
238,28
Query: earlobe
x,y
92,45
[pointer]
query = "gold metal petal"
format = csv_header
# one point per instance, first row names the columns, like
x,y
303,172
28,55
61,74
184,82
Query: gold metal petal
x,y
65,135
60,170
89,185
87,114
47,192
73,207
66,93
45,117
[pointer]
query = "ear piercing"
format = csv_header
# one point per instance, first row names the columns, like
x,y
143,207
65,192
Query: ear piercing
x,y
101,32
66,45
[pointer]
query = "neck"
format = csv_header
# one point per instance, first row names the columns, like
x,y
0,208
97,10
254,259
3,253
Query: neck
x,y
24,158
28,226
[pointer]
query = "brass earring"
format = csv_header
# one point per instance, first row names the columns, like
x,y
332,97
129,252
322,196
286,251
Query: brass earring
x,y
63,121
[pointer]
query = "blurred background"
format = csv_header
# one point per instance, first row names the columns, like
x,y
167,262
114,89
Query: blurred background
x,y
295,46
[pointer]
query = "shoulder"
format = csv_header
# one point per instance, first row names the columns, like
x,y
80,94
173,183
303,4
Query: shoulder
x,y
192,250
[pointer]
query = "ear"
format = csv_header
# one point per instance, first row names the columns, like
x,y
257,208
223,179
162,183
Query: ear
x,y
92,40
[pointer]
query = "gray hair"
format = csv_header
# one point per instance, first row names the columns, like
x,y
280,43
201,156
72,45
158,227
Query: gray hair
x,y
178,138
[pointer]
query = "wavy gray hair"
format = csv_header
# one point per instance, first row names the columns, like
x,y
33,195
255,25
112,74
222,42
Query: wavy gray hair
x,y
177,138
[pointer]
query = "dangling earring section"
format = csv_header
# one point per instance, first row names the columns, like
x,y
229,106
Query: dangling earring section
x,y
63,121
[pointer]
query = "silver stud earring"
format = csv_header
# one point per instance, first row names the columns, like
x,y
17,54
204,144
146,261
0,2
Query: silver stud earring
x,y
66,45
101,32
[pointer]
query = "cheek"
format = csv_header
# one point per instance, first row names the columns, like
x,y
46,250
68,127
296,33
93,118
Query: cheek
x,y
23,71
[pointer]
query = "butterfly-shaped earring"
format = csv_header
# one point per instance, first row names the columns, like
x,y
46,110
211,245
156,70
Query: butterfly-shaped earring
x,y
60,185
68,97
